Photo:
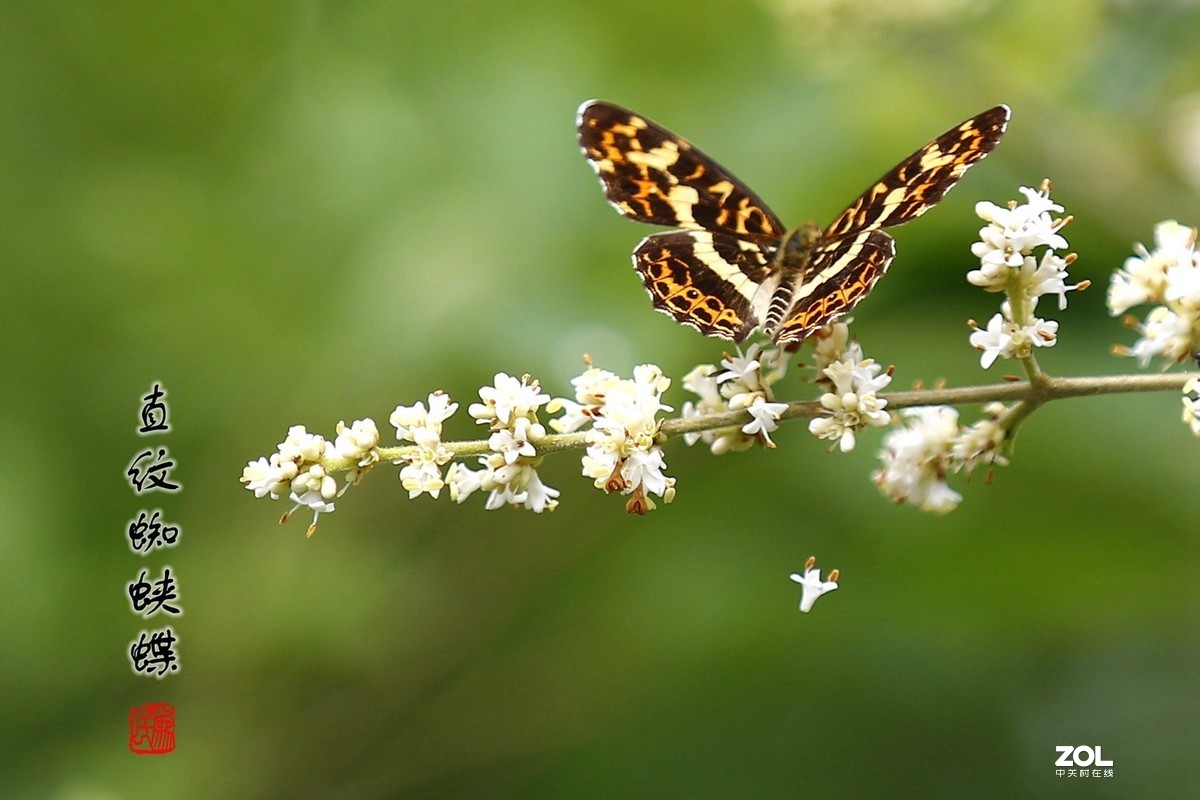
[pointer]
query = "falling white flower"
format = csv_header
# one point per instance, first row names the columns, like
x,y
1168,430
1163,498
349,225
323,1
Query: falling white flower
x,y
811,585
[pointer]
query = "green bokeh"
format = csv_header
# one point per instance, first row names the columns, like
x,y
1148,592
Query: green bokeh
x,y
295,213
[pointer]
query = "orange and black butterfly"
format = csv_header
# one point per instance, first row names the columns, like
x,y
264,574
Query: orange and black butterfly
x,y
733,268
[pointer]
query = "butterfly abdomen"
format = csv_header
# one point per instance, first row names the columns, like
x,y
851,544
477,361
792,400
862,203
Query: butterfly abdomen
x,y
793,263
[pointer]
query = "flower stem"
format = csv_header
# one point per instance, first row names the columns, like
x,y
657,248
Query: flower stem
x,y
1030,394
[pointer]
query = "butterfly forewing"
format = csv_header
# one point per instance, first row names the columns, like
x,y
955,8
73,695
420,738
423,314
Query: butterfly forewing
x,y
918,182
652,175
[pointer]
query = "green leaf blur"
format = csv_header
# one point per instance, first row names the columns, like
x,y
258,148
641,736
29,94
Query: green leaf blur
x,y
295,213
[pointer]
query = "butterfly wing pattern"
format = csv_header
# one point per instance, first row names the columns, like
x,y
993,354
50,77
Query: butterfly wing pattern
x,y
733,268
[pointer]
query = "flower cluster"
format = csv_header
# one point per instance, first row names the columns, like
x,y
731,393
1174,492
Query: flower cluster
x,y
422,472
744,385
618,420
299,468
1169,276
624,448
509,472
1008,263
918,457
850,402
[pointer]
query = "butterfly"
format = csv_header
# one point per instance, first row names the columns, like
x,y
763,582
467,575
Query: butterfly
x,y
732,268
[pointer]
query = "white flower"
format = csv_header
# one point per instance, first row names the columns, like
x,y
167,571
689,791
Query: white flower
x,y
1008,263
301,446
264,477
702,381
315,482
1049,276
646,467
422,476
1125,291
422,473
832,343
575,415
743,384
539,497
297,469
1183,285
1143,278
511,446
981,442
1005,338
359,442
743,369
463,481
1164,333
623,453
509,397
1191,405
509,473
995,342
1017,230
315,489
991,276
415,423
765,419
811,585
852,403
1169,275
506,484
916,459
592,385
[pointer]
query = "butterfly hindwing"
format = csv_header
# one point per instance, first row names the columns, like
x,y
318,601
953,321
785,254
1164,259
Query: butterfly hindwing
x,y
843,272
707,280
652,175
921,180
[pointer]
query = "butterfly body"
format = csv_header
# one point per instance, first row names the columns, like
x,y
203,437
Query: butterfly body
x,y
732,267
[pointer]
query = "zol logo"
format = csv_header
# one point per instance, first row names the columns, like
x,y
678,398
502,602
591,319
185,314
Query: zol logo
x,y
1081,756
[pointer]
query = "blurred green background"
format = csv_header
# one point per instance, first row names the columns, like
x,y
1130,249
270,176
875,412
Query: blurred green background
x,y
295,213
